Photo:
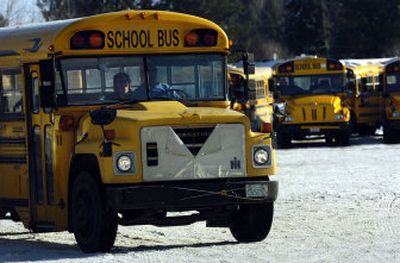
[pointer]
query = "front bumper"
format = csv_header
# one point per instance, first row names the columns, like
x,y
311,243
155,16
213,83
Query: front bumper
x,y
314,128
189,195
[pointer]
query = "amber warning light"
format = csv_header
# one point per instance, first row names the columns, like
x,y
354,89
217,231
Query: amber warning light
x,y
91,39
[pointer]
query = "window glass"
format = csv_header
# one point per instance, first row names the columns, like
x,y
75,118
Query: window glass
x,y
93,80
393,83
174,77
74,80
313,84
11,92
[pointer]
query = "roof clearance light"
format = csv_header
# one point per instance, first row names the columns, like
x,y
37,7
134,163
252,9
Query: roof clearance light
x,y
201,38
90,39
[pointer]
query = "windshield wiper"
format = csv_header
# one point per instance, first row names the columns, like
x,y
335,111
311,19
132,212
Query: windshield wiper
x,y
125,103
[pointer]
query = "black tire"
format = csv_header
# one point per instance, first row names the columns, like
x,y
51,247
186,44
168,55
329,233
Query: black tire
x,y
94,226
284,140
388,135
343,138
252,222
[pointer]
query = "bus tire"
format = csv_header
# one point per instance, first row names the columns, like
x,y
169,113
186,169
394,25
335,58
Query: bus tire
x,y
388,135
284,140
94,227
252,222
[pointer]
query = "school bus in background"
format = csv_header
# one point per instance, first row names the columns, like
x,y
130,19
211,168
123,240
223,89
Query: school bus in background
x,y
73,156
391,96
365,95
314,90
263,108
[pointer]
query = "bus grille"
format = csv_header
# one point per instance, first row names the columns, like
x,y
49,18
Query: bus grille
x,y
194,138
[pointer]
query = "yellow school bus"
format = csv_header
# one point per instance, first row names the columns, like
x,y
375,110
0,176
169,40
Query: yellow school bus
x,y
314,90
391,96
263,99
95,131
365,95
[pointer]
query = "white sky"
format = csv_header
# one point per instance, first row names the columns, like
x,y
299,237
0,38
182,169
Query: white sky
x,y
23,11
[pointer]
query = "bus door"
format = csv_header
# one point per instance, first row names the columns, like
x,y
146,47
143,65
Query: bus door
x,y
369,101
14,186
40,129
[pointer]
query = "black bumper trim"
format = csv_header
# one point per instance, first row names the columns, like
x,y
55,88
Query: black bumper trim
x,y
187,195
324,128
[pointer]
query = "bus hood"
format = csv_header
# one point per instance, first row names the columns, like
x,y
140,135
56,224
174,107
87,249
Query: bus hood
x,y
175,113
316,100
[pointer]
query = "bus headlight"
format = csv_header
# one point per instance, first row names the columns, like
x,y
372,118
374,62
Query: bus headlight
x,y
339,117
395,114
124,163
261,156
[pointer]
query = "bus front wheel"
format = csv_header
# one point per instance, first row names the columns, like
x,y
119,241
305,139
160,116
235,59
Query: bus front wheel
x,y
252,222
94,226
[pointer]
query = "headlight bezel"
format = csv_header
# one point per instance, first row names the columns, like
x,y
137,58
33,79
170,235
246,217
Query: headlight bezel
x,y
262,148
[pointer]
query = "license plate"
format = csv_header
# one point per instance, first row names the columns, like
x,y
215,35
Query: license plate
x,y
256,190
314,129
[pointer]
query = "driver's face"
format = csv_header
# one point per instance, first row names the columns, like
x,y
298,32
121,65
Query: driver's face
x,y
122,86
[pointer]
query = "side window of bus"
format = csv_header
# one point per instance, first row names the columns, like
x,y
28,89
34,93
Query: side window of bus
x,y
369,87
35,95
10,92
363,84
260,89
378,83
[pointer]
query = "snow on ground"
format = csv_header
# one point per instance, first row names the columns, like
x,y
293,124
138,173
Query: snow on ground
x,y
336,204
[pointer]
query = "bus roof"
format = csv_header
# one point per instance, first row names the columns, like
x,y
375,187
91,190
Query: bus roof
x,y
128,31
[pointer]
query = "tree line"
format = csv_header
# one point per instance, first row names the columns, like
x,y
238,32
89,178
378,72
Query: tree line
x,y
274,28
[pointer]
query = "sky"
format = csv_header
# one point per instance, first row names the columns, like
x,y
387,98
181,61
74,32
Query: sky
x,y
22,11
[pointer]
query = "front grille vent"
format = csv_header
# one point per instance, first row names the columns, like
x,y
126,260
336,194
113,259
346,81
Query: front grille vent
x,y
194,138
152,154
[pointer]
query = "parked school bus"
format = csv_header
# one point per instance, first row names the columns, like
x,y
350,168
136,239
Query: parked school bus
x,y
315,93
391,94
94,132
263,98
365,96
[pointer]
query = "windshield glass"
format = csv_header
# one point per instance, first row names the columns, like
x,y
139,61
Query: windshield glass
x,y
313,84
117,79
393,83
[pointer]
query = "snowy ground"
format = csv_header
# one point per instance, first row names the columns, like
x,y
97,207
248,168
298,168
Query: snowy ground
x,y
336,204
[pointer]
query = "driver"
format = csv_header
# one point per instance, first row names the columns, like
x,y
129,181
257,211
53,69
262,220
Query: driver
x,y
123,89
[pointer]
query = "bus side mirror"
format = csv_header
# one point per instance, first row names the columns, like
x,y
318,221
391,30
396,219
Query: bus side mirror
x,y
271,85
251,89
47,88
249,67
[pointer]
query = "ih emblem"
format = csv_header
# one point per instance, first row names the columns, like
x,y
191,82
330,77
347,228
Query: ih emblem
x,y
235,164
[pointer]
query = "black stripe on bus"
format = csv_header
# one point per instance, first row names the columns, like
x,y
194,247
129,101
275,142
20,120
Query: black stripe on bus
x,y
11,117
12,202
6,53
20,160
19,141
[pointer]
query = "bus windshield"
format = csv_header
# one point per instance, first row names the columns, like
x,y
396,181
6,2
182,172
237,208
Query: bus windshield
x,y
105,80
393,83
312,84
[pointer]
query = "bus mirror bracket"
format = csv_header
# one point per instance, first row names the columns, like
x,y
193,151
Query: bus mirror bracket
x,y
47,88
